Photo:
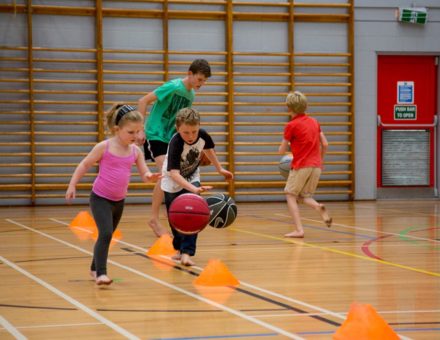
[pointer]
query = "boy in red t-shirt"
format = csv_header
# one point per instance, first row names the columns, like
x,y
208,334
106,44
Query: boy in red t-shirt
x,y
308,145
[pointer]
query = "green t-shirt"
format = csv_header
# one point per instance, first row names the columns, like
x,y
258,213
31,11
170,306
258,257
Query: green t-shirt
x,y
171,97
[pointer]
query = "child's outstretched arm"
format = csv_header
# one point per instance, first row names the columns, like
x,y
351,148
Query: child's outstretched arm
x,y
212,156
144,171
93,156
283,147
324,144
145,101
178,178
140,138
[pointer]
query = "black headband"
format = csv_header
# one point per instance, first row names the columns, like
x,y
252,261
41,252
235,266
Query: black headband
x,y
122,110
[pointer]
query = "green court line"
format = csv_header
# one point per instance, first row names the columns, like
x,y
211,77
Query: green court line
x,y
403,236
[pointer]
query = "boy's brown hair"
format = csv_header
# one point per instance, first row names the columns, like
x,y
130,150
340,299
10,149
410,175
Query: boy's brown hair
x,y
187,116
200,66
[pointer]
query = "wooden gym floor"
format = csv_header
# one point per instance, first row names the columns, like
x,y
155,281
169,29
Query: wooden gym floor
x,y
382,253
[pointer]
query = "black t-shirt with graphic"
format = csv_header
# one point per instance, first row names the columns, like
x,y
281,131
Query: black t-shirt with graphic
x,y
185,158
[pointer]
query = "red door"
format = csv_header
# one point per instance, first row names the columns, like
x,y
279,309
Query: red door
x,y
406,108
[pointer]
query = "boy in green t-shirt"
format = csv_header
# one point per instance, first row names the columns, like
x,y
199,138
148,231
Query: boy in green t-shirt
x,y
168,99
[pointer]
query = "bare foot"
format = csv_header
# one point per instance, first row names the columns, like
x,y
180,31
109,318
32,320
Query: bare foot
x,y
157,228
93,274
177,257
186,260
295,234
103,280
324,214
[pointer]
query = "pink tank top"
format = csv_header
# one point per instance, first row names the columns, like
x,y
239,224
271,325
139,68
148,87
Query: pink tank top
x,y
114,175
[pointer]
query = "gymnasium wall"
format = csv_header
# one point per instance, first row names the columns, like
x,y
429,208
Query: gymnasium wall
x,y
64,63
378,32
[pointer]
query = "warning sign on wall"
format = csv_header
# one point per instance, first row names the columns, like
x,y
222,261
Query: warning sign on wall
x,y
405,112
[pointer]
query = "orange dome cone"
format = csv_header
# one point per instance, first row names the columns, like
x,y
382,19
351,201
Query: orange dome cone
x,y
162,246
219,294
216,274
363,323
117,235
162,263
83,225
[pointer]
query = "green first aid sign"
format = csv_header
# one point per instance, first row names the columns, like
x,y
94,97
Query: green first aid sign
x,y
405,112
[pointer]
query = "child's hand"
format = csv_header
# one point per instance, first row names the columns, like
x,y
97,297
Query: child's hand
x,y
227,174
140,138
70,194
201,189
150,177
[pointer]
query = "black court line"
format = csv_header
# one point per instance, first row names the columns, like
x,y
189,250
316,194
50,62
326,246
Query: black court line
x,y
36,307
289,307
65,258
415,323
20,230
185,310
161,310
243,291
53,259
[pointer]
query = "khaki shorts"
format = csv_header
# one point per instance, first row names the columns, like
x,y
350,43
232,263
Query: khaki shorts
x,y
302,182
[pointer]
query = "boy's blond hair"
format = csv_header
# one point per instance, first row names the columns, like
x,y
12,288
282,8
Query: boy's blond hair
x,y
297,102
187,116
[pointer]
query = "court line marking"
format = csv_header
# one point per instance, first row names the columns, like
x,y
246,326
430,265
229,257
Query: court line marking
x,y
71,300
61,325
213,337
405,236
336,251
168,285
301,303
11,329
364,229
248,285
288,314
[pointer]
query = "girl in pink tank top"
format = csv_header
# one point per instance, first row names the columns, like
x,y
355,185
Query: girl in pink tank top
x,y
115,157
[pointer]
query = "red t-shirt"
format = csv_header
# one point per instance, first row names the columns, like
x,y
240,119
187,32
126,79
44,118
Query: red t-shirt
x,y
303,134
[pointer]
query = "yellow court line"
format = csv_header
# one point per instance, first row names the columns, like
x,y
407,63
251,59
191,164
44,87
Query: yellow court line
x,y
336,251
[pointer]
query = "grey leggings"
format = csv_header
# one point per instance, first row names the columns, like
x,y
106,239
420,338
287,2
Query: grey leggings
x,y
107,215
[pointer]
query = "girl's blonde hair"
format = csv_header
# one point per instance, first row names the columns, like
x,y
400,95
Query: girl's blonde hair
x,y
119,114
297,102
187,116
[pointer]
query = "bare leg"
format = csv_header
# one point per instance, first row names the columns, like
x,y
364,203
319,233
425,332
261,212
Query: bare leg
x,y
321,209
154,222
292,205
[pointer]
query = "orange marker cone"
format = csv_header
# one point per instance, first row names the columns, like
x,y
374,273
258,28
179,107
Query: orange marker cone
x,y
162,263
162,246
117,235
83,225
216,274
219,294
363,323
83,219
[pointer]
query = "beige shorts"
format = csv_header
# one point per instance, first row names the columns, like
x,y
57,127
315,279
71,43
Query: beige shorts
x,y
302,182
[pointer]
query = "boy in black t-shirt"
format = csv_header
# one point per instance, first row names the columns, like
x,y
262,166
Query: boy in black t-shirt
x,y
181,172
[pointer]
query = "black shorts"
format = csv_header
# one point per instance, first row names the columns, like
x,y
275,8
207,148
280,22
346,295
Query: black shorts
x,y
154,148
